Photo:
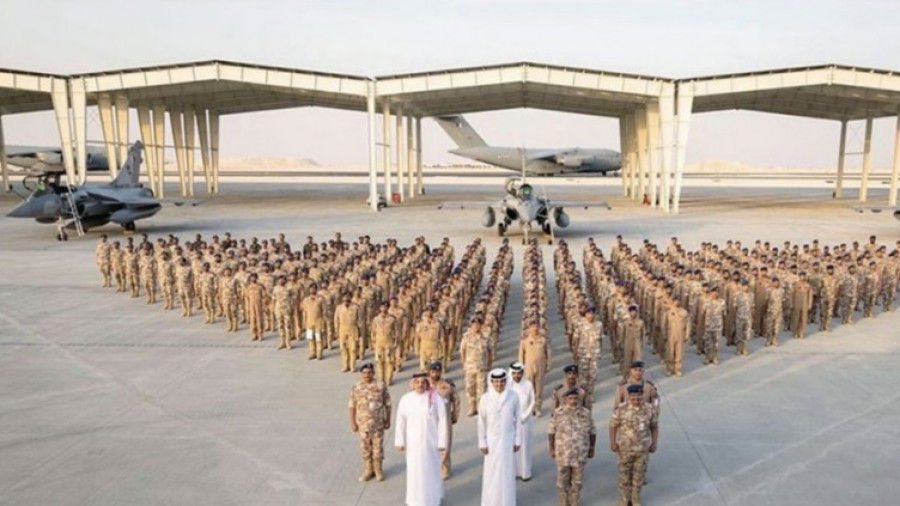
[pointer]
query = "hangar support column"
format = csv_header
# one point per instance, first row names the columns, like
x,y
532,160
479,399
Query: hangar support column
x,y
123,135
175,117
667,134
895,170
410,157
653,149
685,105
867,162
159,141
79,118
60,97
189,123
214,148
147,138
624,146
104,103
639,185
631,161
400,153
203,131
386,145
842,150
373,160
4,169
420,189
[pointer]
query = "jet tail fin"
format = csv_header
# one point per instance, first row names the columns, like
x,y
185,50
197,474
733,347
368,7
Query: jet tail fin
x,y
460,131
131,170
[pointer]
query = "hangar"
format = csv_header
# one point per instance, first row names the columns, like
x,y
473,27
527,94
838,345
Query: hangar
x,y
654,112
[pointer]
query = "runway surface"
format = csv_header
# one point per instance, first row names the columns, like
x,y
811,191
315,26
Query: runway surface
x,y
107,401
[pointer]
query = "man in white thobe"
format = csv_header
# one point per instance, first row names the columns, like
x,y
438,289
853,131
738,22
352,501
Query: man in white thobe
x,y
525,391
421,433
499,438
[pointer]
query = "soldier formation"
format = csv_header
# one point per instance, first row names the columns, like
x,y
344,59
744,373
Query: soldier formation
x,y
400,301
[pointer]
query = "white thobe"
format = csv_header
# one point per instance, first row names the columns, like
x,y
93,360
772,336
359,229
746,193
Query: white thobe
x,y
421,427
499,430
525,391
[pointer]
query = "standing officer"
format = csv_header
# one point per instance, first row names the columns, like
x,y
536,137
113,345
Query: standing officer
x,y
476,356
346,324
633,433
572,438
446,389
370,416
384,338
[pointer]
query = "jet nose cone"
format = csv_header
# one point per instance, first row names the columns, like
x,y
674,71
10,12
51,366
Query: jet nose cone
x,y
37,207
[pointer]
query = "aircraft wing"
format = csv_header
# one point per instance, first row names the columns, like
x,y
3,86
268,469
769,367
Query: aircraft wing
x,y
468,204
541,154
571,204
878,209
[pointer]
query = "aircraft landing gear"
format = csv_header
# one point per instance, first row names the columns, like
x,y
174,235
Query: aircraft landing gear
x,y
129,228
501,229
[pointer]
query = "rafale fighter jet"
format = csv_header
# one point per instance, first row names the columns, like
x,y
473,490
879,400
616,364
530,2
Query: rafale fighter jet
x,y
123,201
523,208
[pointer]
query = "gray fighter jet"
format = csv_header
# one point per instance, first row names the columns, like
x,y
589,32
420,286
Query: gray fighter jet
x,y
523,208
538,162
123,201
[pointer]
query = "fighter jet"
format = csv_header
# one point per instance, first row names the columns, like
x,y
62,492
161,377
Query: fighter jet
x,y
895,211
523,208
538,162
123,201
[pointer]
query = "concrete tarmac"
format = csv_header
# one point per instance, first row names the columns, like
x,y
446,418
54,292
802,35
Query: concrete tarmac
x,y
105,400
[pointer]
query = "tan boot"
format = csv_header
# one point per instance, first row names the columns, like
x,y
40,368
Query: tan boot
x,y
367,472
379,473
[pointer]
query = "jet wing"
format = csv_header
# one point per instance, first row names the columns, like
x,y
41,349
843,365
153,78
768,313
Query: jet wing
x,y
571,204
878,209
468,204
541,154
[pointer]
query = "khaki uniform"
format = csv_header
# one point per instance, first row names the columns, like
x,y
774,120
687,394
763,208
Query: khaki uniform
x,y
634,426
284,309
534,353
370,405
429,341
476,348
384,337
313,323
743,320
801,302
255,294
184,280
346,324
104,262
167,280
207,282
632,339
713,321
677,326
572,429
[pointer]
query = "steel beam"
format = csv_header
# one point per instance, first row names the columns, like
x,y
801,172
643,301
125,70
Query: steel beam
x,y
400,153
410,157
667,135
178,138
60,98
653,149
203,130
420,189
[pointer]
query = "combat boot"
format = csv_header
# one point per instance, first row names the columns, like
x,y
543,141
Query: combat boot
x,y
367,474
379,473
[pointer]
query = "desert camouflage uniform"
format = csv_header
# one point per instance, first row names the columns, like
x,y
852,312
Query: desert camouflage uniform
x,y
572,429
633,437
371,403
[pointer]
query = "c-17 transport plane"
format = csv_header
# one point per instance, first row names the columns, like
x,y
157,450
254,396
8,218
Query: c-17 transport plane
x,y
538,162
123,201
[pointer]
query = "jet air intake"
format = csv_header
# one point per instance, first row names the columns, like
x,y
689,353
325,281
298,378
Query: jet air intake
x,y
560,217
488,218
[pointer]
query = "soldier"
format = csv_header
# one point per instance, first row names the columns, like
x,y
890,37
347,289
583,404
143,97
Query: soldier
x,y
384,338
849,285
870,289
346,324
207,281
534,352
572,436
678,328
571,381
633,434
255,294
104,262
590,335
313,317
774,317
827,298
184,278
476,357
117,260
147,267
446,389
167,280
429,338
284,309
743,320
801,303
713,318
632,339
370,417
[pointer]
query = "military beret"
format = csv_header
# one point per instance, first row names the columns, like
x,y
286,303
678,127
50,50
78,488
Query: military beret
x,y
637,364
635,389
436,366
632,307
570,368
590,309
419,375
367,366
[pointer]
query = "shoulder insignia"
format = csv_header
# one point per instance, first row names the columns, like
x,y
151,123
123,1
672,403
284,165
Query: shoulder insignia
x,y
558,387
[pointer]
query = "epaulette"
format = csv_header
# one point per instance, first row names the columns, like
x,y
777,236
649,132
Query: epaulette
x,y
558,387
451,383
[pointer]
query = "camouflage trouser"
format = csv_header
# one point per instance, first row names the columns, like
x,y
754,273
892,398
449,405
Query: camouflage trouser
x,y
587,367
773,327
371,444
887,297
475,387
743,330
284,323
168,295
632,471
105,270
569,477
827,307
814,310
846,307
187,301
712,338
869,303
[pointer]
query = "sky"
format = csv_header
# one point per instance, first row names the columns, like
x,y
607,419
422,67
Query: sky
x,y
669,38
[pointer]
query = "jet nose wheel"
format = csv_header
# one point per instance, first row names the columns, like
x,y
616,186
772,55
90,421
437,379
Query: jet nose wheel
x,y
501,229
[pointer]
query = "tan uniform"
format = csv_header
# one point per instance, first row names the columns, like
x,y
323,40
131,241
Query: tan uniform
x,y
632,339
429,341
370,410
634,435
572,429
256,309
534,353
104,262
384,336
346,324
475,350
313,323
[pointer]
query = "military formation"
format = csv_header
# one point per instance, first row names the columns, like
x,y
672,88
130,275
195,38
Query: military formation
x,y
394,303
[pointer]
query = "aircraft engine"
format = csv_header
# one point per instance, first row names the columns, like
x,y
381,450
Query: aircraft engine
x,y
560,217
571,161
897,214
488,218
50,158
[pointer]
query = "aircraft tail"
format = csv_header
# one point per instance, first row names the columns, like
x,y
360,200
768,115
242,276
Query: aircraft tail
x,y
460,131
131,170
